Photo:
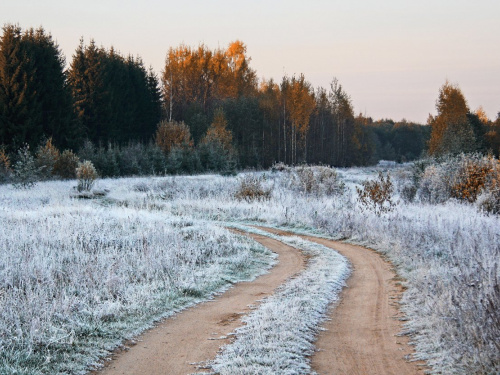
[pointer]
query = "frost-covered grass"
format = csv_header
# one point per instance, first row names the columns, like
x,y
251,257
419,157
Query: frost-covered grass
x,y
76,277
448,253
278,337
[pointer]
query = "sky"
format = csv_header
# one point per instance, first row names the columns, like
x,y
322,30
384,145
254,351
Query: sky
x,y
391,56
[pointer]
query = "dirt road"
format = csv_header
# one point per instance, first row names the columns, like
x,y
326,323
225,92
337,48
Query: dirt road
x,y
192,336
361,337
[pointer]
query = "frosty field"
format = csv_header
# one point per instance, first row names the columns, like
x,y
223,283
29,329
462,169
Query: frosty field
x,y
78,276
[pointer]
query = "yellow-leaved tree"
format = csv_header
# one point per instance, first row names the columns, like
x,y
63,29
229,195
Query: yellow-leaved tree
x,y
170,134
451,131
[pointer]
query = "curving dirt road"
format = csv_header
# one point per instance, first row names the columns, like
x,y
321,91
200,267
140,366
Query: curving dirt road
x,y
179,344
361,335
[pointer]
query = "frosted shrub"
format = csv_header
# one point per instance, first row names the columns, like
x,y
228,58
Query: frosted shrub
x,y
252,188
472,176
489,200
376,195
315,180
329,181
464,177
25,170
433,186
303,179
279,167
142,187
405,185
408,192
86,175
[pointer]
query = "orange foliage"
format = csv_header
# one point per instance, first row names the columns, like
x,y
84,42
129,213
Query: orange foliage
x,y
200,75
473,178
481,114
172,134
451,120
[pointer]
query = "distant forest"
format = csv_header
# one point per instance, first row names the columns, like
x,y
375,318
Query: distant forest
x,y
206,111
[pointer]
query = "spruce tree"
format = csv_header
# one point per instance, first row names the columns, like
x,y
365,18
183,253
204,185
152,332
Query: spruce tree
x,y
20,109
85,78
56,118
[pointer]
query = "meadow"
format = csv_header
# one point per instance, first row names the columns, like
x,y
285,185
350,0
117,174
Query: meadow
x,y
79,275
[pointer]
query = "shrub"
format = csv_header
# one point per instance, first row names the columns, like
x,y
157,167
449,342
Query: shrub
x,y
46,158
252,188
86,175
215,158
5,170
279,167
404,181
25,170
328,181
471,177
464,177
65,166
303,179
376,195
316,180
489,200
433,185
408,193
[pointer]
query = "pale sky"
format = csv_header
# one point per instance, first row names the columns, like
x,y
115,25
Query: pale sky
x,y
391,56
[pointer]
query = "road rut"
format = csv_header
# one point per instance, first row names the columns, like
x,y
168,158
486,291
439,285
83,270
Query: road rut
x,y
178,344
361,337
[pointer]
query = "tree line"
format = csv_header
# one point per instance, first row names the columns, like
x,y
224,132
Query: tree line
x,y
223,115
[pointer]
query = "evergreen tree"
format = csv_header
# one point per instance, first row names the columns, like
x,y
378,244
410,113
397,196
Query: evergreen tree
x,y
116,99
20,110
154,112
34,97
52,91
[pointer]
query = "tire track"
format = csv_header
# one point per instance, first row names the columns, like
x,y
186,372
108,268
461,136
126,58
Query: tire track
x,y
179,344
361,336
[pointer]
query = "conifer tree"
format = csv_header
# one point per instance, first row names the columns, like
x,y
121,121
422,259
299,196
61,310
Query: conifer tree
x,y
34,97
20,107
116,99
53,94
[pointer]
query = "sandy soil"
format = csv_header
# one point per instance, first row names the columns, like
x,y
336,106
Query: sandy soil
x,y
360,338
180,344
362,333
